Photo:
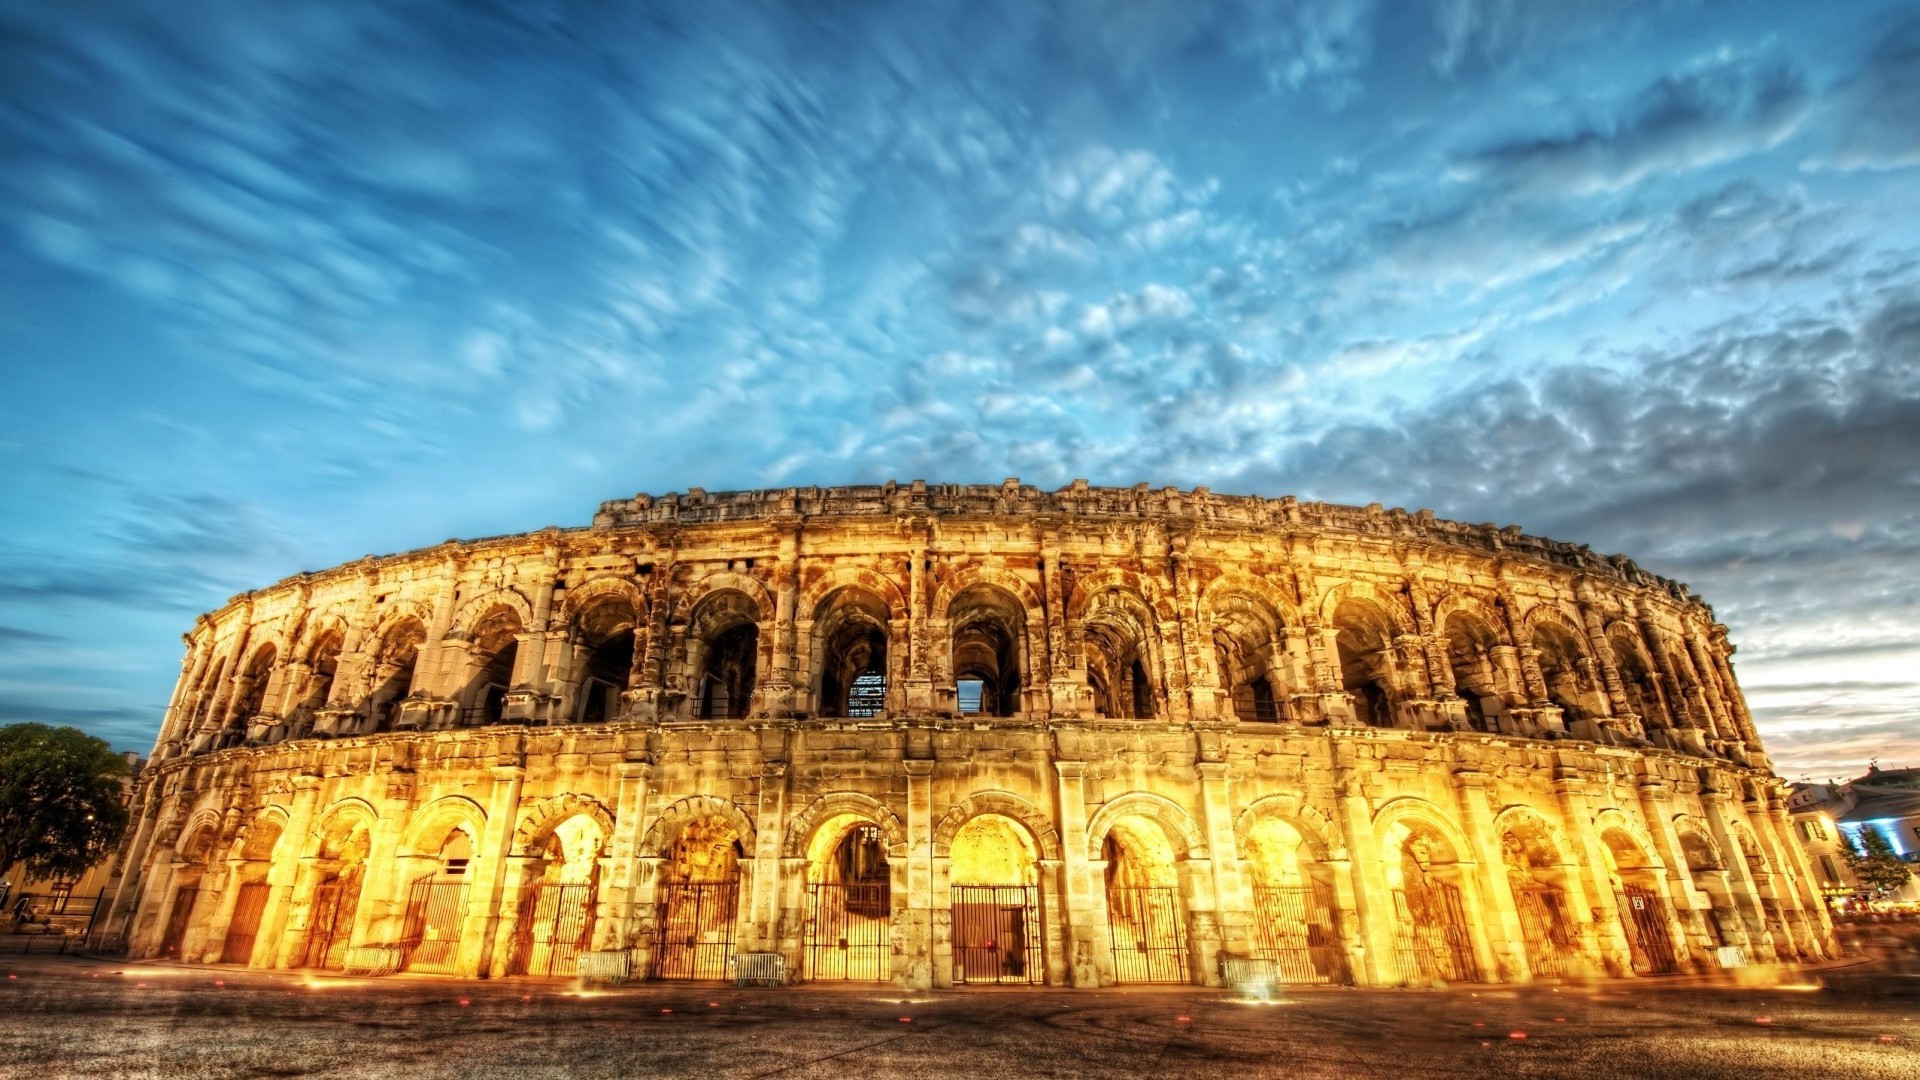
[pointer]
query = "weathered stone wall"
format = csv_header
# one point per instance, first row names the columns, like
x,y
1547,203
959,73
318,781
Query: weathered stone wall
x,y
1437,714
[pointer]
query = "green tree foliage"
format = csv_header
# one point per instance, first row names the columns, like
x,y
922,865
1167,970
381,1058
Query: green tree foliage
x,y
1877,868
60,799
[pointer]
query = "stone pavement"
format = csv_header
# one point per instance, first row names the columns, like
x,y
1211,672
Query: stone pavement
x,y
72,1016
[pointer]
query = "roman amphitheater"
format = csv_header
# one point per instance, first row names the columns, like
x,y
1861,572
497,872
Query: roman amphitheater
x,y
946,735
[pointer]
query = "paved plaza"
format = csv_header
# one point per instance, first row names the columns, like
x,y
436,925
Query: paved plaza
x,y
73,1016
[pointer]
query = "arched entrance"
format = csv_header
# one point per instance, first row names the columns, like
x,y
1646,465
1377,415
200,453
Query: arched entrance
x,y
699,901
435,920
1295,920
250,900
555,921
1146,922
1433,941
1538,881
1643,911
849,903
196,858
994,900
336,895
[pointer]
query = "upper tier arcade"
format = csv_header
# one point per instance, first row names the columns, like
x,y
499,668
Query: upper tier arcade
x,y
963,603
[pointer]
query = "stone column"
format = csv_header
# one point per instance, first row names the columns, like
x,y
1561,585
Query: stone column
x,y
1231,902
1656,808
1502,942
770,827
615,916
1086,925
276,948
1813,906
1576,809
929,960
1746,892
919,683
1370,942
1066,692
490,876
781,681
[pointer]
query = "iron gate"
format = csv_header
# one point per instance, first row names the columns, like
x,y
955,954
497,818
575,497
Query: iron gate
x,y
850,931
244,928
1432,941
1553,946
996,934
554,927
334,902
176,935
430,934
693,934
1294,929
1645,920
1149,938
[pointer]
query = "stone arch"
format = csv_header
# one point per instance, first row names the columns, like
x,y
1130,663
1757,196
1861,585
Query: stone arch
x,y
990,638
396,613
1757,861
835,804
1089,587
1413,811
813,599
697,593
1319,832
1284,611
477,608
200,837
1117,634
1520,816
1460,602
317,630
1173,819
1005,804
667,825
846,638
1693,831
969,577
353,809
430,825
589,594
254,844
1389,602
1548,613
540,818
1614,821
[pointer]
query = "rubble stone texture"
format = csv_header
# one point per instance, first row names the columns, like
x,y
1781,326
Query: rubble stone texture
x,y
940,734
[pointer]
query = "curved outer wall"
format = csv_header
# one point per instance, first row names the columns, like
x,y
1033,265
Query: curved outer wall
x,y
1303,731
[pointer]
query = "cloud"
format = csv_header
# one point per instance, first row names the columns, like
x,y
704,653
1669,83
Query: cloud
x,y
1877,129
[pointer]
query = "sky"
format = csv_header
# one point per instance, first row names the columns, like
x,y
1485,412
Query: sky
x,y
286,284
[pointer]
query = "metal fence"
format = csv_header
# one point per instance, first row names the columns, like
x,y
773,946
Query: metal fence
x,y
1294,929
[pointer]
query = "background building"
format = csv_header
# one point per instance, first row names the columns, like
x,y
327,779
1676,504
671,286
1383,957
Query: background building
x,y
947,734
1884,800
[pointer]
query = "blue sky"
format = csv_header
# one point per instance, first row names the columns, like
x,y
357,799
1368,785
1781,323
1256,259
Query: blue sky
x,y
284,284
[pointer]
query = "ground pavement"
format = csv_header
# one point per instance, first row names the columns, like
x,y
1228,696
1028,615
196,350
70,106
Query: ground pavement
x,y
74,1016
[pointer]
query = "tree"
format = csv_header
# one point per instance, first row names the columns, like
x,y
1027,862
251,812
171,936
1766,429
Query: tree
x,y
61,793
1878,869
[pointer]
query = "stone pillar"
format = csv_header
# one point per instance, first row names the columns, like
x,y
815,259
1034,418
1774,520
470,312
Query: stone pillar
x,y
1190,687
1813,906
1086,924
276,948
1371,931
614,918
490,878
770,827
919,683
1609,936
1232,905
929,959
1746,892
1656,808
781,683
1067,689
1502,944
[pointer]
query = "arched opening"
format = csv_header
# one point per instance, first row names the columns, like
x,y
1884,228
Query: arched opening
x,y
196,859
1562,669
393,672
495,646
1295,920
342,866
1116,632
723,643
1247,652
1721,922
1537,878
1643,910
849,902
851,631
699,901
1637,681
555,923
993,878
987,625
1146,922
604,634
250,895
435,920
252,693
1476,677
1363,644
323,663
1433,940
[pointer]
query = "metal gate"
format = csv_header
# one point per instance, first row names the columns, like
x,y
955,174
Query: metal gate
x,y
1432,941
430,934
996,934
334,903
1294,929
1645,920
693,934
555,926
850,931
183,901
1553,945
244,928
1149,935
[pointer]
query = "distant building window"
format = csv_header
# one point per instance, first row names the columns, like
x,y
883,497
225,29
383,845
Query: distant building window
x,y
868,695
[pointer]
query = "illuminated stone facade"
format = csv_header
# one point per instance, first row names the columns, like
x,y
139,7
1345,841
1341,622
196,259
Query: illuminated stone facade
x,y
940,734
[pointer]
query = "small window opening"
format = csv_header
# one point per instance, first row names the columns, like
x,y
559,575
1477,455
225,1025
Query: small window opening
x,y
868,694
972,693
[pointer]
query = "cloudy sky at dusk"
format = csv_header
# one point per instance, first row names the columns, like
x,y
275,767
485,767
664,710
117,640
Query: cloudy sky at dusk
x,y
284,284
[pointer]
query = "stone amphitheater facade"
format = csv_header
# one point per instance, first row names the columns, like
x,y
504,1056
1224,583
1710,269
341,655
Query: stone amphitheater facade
x,y
946,734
